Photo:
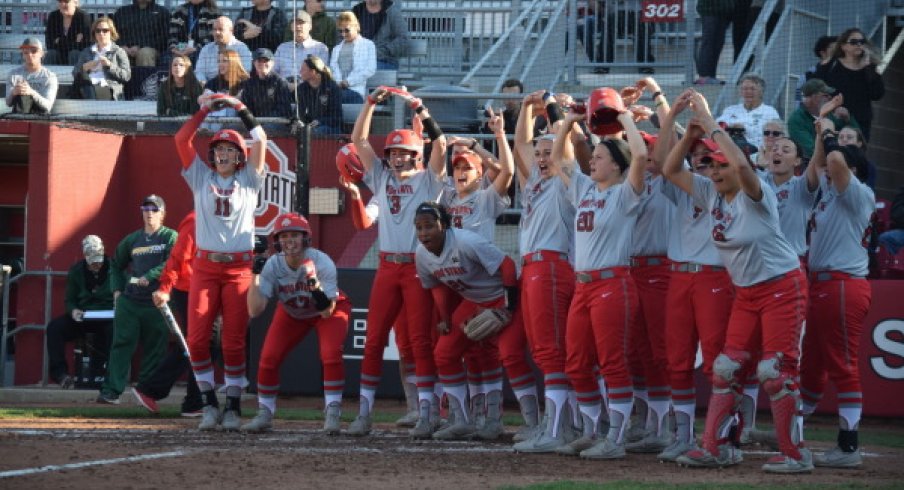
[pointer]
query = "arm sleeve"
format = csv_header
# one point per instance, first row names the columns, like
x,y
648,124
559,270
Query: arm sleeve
x,y
875,85
180,253
72,287
359,215
326,275
121,259
155,272
274,35
184,137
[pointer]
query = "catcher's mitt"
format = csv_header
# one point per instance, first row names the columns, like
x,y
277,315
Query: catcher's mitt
x,y
487,323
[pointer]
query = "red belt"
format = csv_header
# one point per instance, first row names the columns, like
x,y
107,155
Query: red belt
x,y
832,276
649,260
394,258
221,257
600,274
543,255
694,267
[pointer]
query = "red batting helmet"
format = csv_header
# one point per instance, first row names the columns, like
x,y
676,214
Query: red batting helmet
x,y
404,139
349,163
292,222
602,111
228,136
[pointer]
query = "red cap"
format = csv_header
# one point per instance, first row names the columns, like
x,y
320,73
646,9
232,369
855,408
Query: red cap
x,y
470,158
714,151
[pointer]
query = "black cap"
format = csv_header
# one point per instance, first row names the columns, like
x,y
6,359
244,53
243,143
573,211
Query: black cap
x,y
260,53
155,200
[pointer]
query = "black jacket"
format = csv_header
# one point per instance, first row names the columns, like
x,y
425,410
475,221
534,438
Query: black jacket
x,y
146,27
267,97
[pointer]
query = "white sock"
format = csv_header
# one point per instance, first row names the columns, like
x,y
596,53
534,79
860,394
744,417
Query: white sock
x,y
367,401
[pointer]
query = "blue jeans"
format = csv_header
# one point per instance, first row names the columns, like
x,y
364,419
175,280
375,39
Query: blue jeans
x,y
893,240
349,96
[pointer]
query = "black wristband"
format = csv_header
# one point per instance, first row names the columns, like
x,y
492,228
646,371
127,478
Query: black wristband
x,y
257,265
511,297
321,302
472,145
553,112
655,94
248,119
432,129
420,109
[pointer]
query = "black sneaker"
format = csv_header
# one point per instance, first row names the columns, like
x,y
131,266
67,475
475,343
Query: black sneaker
x,y
106,398
67,382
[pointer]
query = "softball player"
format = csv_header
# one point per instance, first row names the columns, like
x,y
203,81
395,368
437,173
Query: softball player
x,y
840,295
767,314
225,191
607,202
453,262
304,280
475,208
547,276
399,188
700,292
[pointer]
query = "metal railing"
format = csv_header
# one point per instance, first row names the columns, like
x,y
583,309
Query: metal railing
x,y
6,333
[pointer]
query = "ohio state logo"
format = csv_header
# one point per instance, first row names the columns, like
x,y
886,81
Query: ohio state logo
x,y
277,196
397,139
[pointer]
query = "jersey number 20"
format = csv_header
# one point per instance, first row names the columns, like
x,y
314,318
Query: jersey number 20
x,y
585,221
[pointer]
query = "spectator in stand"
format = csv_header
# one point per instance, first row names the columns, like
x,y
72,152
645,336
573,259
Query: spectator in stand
x,y
823,50
801,123
382,22
223,39
850,135
174,283
852,70
614,21
290,54
354,60
178,95
31,88
191,27
229,80
261,26
716,16
265,93
144,26
893,238
319,98
87,289
772,131
103,68
751,113
323,26
67,32
135,274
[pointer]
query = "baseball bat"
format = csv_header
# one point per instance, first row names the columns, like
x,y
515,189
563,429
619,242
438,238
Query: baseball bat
x,y
174,326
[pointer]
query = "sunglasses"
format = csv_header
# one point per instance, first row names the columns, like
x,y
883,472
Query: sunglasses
x,y
856,42
773,133
152,209
100,30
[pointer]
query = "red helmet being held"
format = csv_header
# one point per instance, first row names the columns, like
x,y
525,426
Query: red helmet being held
x,y
349,163
404,139
292,222
602,111
229,136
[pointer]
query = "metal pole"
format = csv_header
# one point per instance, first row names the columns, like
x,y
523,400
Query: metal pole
x,y
302,168
690,19
4,282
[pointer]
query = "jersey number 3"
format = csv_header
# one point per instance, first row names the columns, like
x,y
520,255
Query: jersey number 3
x,y
224,208
395,204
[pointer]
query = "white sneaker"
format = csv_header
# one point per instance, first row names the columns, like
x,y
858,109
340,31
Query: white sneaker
x,y
786,465
210,418
231,420
360,426
263,421
332,419
604,449
836,458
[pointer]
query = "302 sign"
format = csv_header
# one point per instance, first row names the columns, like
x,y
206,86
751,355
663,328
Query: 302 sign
x,y
662,11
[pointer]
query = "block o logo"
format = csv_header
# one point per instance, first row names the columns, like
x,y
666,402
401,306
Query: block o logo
x,y
277,196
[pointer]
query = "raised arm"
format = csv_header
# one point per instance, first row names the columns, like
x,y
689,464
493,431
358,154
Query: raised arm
x,y
506,162
833,161
361,131
258,137
524,136
673,167
559,161
439,144
638,152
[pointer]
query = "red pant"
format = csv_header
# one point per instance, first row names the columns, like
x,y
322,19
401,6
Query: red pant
x,y
512,353
605,308
546,290
217,287
772,311
699,305
838,306
452,346
286,332
396,288
647,347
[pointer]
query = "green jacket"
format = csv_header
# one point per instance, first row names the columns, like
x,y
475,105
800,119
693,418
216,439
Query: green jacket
x,y
139,255
801,129
78,294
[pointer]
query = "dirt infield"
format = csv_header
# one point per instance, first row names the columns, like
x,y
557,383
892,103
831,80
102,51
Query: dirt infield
x,y
170,453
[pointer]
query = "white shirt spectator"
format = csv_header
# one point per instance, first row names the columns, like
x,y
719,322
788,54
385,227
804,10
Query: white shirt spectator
x,y
290,55
207,59
364,64
753,120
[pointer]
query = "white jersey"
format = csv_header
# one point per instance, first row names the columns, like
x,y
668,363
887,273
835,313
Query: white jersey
x,y
604,223
838,229
290,286
477,212
690,237
747,235
469,265
224,206
794,204
651,233
547,215
398,201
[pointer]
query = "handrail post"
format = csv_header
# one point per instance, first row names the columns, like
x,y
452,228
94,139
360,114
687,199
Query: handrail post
x,y
4,282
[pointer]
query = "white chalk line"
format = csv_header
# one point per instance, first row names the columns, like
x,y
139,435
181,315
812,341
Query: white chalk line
x,y
85,464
